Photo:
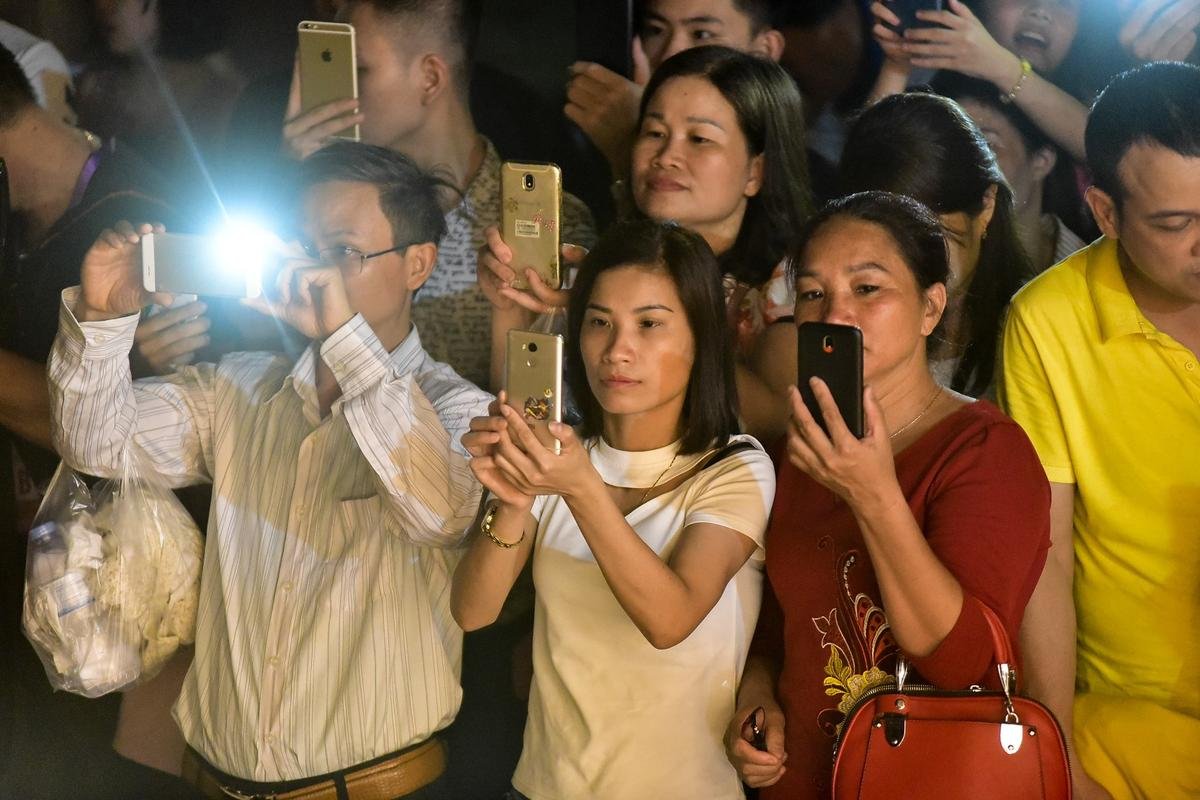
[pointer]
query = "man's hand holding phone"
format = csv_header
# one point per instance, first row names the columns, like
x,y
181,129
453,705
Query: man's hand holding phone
x,y
605,105
305,132
111,275
496,273
308,295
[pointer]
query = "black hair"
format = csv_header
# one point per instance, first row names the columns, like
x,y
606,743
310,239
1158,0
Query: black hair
x,y
1158,103
924,146
918,234
710,405
767,104
453,23
16,93
408,195
1060,190
761,13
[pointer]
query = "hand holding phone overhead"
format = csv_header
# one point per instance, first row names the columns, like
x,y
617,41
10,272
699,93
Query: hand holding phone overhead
x,y
323,99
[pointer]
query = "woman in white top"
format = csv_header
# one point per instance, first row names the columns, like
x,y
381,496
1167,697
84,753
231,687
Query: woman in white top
x,y
648,568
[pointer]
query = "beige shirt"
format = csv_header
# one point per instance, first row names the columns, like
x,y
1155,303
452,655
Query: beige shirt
x,y
324,636
610,716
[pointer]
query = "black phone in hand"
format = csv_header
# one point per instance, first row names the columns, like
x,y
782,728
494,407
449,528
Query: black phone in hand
x,y
833,353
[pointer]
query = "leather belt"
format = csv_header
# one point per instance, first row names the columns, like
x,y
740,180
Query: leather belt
x,y
382,779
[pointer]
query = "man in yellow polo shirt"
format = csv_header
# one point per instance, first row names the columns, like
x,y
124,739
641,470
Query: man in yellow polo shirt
x,y
1100,367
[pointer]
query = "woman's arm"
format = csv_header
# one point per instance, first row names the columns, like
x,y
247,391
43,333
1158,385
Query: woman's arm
x,y
923,599
666,600
490,567
487,571
958,41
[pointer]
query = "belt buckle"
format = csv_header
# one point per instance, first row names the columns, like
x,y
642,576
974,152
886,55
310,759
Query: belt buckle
x,y
236,795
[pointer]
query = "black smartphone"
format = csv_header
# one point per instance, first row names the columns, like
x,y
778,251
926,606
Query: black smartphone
x,y
758,737
907,10
833,353
604,34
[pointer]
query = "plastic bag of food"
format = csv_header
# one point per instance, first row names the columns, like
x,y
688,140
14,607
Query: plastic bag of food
x,y
112,579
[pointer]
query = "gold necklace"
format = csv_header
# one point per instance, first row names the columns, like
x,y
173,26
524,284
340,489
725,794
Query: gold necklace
x,y
646,493
937,390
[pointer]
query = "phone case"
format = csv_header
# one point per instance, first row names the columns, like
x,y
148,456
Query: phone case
x,y
531,201
907,10
534,376
833,353
328,67
182,264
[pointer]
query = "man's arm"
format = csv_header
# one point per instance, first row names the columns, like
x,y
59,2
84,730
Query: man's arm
x,y
24,400
407,419
98,410
1048,632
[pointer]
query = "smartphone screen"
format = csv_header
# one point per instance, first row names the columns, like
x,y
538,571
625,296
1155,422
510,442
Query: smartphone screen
x,y
184,264
531,208
907,10
533,380
833,353
328,67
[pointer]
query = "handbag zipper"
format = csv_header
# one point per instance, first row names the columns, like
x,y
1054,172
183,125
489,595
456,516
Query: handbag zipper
x,y
933,691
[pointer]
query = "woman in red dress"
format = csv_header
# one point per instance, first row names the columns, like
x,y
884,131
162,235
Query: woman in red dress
x,y
889,544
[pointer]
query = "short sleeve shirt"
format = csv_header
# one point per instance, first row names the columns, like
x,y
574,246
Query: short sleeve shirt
x,y
610,716
1112,405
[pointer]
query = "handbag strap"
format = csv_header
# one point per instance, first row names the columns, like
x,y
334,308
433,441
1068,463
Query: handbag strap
x,y
1006,660
1002,650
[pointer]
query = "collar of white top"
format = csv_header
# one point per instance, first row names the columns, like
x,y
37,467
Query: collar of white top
x,y
638,469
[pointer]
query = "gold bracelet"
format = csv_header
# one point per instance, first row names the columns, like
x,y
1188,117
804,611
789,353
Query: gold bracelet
x,y
485,527
1026,68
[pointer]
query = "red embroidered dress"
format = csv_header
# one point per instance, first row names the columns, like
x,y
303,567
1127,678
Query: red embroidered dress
x,y
980,496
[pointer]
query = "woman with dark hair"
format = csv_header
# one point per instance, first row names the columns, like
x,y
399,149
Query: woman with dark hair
x,y
889,545
1046,201
645,532
719,150
924,146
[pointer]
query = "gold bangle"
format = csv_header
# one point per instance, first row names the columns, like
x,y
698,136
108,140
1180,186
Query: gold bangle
x,y
485,527
1026,68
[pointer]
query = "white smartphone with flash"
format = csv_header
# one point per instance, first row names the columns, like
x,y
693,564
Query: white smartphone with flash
x,y
185,264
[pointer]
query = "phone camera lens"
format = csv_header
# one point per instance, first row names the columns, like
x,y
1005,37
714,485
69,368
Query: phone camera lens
x,y
532,347
528,182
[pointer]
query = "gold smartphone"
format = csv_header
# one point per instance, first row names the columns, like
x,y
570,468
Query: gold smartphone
x,y
328,67
531,202
533,380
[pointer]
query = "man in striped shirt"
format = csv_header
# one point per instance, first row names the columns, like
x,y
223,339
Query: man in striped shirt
x,y
326,656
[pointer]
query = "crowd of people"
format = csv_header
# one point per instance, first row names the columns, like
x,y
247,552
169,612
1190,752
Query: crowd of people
x,y
683,589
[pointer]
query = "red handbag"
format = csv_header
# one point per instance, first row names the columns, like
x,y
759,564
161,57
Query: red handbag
x,y
922,742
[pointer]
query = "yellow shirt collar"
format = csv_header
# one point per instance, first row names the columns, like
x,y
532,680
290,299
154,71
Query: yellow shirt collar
x,y
1116,310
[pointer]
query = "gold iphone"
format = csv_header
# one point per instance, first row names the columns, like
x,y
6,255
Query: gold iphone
x,y
328,67
531,201
533,379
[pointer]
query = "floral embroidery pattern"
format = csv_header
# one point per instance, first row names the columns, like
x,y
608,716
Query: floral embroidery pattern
x,y
861,652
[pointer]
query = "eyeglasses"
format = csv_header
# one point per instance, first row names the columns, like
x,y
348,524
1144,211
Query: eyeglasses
x,y
349,259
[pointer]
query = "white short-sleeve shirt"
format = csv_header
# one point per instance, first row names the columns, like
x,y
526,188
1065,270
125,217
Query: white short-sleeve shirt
x,y
611,716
